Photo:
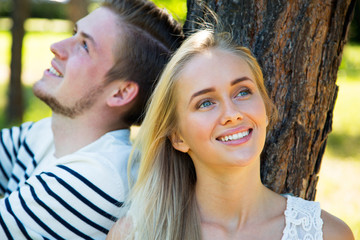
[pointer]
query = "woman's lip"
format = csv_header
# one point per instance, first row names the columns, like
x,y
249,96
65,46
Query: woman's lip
x,y
238,141
234,131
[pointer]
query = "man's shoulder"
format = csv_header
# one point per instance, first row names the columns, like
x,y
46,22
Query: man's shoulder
x,y
102,162
95,171
114,147
42,126
38,136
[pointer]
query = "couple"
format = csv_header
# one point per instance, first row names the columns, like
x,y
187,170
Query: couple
x,y
199,175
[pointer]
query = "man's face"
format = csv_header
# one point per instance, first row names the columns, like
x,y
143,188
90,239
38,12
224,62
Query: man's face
x,y
76,78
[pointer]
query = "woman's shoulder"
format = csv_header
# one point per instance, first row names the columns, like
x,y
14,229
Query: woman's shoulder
x,y
299,208
334,228
318,221
121,229
302,218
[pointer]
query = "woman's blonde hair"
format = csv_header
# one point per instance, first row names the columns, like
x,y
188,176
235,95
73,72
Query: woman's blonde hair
x,y
162,203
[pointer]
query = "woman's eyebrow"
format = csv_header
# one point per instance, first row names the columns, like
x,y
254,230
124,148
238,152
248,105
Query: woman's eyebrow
x,y
239,80
207,90
201,92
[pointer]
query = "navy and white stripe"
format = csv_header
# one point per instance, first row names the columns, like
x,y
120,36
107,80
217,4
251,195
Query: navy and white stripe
x,y
76,197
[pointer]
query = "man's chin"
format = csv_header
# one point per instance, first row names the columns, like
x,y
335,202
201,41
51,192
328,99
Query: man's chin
x,y
77,108
51,101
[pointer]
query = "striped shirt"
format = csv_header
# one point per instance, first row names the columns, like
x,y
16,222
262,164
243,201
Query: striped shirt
x,y
78,196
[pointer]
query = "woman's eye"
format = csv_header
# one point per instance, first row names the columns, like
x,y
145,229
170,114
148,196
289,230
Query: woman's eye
x,y
205,104
243,93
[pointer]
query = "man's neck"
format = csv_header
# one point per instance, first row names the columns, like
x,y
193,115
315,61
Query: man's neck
x,y
70,135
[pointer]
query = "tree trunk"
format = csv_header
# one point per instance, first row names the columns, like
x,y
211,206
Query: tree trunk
x,y
299,45
15,106
77,9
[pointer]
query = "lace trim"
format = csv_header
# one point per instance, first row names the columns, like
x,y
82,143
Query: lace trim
x,y
303,220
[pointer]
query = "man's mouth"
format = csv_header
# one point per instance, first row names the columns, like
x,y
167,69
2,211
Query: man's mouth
x,y
55,72
235,136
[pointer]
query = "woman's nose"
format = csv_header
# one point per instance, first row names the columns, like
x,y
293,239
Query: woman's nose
x,y
231,113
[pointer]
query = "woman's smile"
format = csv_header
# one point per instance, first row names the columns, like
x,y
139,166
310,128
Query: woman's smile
x,y
236,138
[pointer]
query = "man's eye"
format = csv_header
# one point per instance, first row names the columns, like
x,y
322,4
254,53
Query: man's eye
x,y
85,46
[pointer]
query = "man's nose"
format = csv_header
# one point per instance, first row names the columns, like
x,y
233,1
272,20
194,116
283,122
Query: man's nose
x,y
61,49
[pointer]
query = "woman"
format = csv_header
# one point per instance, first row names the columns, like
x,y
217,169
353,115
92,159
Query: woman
x,y
200,144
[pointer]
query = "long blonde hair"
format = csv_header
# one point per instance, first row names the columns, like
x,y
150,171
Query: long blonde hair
x,y
162,203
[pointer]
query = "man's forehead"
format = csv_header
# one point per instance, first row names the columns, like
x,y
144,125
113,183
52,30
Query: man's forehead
x,y
100,25
100,19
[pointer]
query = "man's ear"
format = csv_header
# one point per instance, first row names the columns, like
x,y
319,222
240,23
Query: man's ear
x,y
123,93
178,142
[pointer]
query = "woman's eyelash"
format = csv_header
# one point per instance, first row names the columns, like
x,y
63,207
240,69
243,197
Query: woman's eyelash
x,y
244,92
207,103
204,104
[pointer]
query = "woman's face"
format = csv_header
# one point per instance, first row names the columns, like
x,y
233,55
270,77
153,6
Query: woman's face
x,y
221,115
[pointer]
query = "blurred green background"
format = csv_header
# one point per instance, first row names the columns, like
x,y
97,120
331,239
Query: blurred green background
x,y
339,184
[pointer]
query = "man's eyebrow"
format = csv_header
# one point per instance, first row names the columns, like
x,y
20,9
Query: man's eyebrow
x,y
239,80
85,35
201,92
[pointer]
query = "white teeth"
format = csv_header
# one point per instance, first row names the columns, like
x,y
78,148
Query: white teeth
x,y
235,136
56,73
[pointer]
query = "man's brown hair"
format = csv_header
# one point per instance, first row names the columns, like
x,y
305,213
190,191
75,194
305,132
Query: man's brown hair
x,y
150,36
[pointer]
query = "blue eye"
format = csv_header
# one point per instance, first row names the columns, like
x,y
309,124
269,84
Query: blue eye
x,y
205,104
243,93
85,46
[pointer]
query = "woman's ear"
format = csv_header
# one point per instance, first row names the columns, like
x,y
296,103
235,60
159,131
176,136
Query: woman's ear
x,y
267,121
178,142
124,92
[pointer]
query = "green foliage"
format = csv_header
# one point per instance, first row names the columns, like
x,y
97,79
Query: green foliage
x,y
344,141
55,10
38,9
48,10
5,41
176,7
350,65
5,8
354,34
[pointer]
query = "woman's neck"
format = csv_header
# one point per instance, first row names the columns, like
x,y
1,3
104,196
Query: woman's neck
x,y
233,199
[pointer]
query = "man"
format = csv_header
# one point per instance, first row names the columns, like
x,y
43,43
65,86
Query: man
x,y
65,177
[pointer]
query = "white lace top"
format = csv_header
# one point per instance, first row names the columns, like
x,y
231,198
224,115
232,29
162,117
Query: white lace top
x,y
302,220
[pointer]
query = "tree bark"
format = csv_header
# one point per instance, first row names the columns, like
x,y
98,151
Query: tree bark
x,y
299,45
15,106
